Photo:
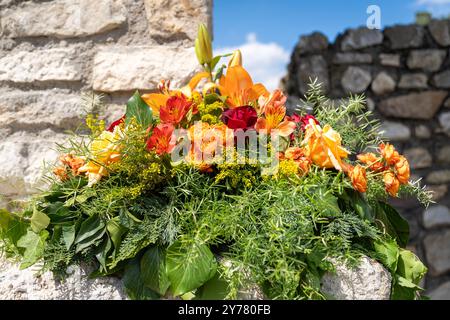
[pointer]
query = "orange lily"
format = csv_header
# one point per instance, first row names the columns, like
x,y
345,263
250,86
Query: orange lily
x,y
274,115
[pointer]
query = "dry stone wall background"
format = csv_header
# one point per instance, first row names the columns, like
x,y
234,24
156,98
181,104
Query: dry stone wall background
x,y
52,50
405,72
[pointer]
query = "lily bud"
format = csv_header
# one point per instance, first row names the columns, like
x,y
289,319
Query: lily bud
x,y
203,46
236,59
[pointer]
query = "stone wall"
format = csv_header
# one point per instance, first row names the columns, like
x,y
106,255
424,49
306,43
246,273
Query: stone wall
x,y
52,50
405,72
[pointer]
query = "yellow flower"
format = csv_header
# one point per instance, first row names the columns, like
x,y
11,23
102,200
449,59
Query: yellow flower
x,y
324,146
104,150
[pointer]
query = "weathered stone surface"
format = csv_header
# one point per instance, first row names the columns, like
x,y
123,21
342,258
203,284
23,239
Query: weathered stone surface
x,y
352,58
413,81
438,252
40,65
356,80
312,67
428,60
436,216
370,104
440,293
419,158
395,131
447,103
131,68
422,105
422,132
442,80
369,281
383,83
25,284
390,60
443,155
403,37
440,30
312,43
177,20
439,191
444,121
38,110
361,38
439,177
63,18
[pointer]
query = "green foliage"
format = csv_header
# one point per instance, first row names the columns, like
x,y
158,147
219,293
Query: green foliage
x,y
137,109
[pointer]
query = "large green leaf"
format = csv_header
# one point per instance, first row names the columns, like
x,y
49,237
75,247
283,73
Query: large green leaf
x,y
102,253
11,227
153,270
410,267
330,206
189,265
215,289
390,253
134,286
139,110
91,231
59,213
390,221
68,234
39,220
115,231
34,245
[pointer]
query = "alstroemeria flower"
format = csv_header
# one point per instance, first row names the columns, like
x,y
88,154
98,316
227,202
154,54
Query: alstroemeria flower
x,y
324,146
116,123
273,120
175,110
162,139
104,151
276,99
240,118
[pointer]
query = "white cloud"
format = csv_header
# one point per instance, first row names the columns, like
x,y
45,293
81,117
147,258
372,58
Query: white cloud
x,y
436,7
266,62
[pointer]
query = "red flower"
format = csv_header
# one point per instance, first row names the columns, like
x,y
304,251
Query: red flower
x,y
162,140
240,118
116,123
304,120
175,110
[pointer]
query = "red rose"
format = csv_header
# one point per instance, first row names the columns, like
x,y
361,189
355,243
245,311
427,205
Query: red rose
x,y
116,123
303,120
240,118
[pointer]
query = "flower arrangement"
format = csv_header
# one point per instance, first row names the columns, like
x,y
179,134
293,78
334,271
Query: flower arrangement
x,y
200,193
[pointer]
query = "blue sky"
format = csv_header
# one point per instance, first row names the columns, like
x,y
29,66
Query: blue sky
x,y
272,27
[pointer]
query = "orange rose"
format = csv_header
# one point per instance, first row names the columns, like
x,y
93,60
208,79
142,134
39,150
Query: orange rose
x,y
372,161
391,183
389,153
304,164
402,170
358,177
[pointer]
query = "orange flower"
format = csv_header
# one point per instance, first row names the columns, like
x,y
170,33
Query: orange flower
x,y
174,110
276,99
402,171
162,140
358,177
389,153
61,173
391,183
72,161
372,161
324,146
294,153
239,88
298,156
274,115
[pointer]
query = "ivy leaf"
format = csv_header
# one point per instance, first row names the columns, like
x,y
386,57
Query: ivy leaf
x,y
91,231
115,231
102,253
68,234
34,245
410,267
138,109
392,223
134,286
11,227
188,266
153,270
215,289
390,252
39,220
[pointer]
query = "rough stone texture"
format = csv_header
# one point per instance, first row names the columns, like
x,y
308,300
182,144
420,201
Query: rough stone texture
x,y
361,38
422,105
442,80
444,121
312,43
438,177
63,18
438,252
356,80
436,216
369,281
403,37
443,155
383,83
422,132
25,284
439,191
440,31
441,293
390,60
395,131
171,19
413,81
419,158
428,60
129,68
352,58
447,103
310,68
40,65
